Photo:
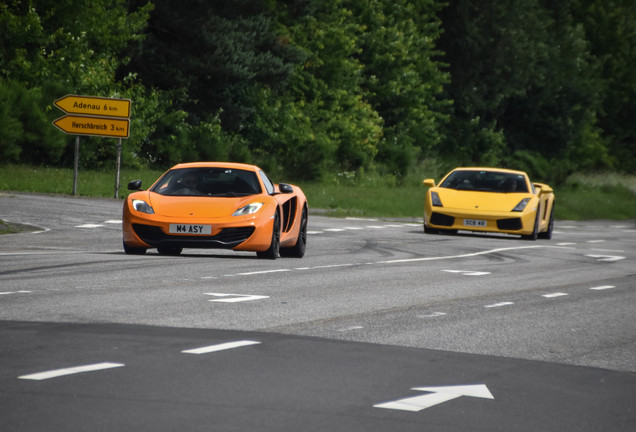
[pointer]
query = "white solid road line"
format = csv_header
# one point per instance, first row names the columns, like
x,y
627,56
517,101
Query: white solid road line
x,y
70,371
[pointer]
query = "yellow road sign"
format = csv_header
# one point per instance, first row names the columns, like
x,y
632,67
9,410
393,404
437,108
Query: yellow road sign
x,y
107,107
96,126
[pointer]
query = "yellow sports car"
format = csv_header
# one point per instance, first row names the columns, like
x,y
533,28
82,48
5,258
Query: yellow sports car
x,y
489,200
216,205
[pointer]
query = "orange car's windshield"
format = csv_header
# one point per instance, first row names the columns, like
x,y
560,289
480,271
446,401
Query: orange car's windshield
x,y
208,182
486,181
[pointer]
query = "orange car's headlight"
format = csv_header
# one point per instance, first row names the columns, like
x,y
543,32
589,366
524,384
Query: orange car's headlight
x,y
248,209
142,206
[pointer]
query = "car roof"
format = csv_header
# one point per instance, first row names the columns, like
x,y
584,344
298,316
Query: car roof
x,y
503,170
231,165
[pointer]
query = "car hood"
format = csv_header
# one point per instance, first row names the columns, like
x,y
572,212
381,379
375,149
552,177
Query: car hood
x,y
480,201
177,206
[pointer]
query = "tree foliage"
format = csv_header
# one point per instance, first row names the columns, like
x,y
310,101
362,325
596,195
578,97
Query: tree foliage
x,y
314,87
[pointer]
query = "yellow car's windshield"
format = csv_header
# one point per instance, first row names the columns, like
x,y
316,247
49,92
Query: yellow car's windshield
x,y
486,181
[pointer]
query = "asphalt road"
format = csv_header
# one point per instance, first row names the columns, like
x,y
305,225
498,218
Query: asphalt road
x,y
379,328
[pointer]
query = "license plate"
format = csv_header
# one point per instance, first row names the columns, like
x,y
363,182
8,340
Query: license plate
x,y
474,222
190,229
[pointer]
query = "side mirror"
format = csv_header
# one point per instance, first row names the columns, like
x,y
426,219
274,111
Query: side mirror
x,y
134,185
429,182
543,188
285,188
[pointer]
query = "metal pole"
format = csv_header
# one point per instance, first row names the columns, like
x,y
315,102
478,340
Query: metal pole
x,y
76,165
118,167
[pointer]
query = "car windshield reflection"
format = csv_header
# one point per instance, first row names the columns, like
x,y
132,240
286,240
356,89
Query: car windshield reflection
x,y
486,181
208,182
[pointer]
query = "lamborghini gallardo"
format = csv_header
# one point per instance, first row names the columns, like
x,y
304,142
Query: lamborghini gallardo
x,y
489,200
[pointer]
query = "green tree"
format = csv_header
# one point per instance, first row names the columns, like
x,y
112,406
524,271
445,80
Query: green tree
x,y
52,47
403,78
610,28
523,80
321,122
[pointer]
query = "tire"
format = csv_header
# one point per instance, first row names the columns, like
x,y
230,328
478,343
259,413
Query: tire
x,y
298,250
535,231
133,250
547,235
428,230
274,247
169,250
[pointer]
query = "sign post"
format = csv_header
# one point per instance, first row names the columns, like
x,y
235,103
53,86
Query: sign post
x,y
94,116
76,165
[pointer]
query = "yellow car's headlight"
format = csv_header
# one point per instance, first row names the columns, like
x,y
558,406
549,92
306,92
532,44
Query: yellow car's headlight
x,y
435,200
522,205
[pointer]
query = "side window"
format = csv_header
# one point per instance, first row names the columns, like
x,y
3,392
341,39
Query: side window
x,y
269,186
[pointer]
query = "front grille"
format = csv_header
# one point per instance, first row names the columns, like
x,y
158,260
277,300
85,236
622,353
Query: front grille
x,y
512,224
442,219
226,239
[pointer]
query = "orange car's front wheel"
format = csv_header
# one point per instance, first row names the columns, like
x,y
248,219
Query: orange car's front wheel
x,y
274,247
134,250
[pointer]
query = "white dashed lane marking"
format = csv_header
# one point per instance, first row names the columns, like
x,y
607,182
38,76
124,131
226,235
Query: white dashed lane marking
x,y
99,225
602,288
366,227
70,371
468,272
220,347
500,304
553,295
56,373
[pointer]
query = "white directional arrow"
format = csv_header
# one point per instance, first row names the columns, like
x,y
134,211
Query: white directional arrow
x,y
607,257
439,395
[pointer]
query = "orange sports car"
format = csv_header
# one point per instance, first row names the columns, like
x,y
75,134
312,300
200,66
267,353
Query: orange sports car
x,y
216,205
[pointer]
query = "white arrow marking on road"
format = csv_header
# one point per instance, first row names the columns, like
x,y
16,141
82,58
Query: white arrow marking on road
x,y
14,292
235,298
438,395
607,257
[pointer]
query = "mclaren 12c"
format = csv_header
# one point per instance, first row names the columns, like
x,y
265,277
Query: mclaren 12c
x,y
216,205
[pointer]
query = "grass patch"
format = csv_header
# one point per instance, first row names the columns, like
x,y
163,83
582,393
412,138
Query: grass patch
x,y
12,228
21,178
367,201
598,196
